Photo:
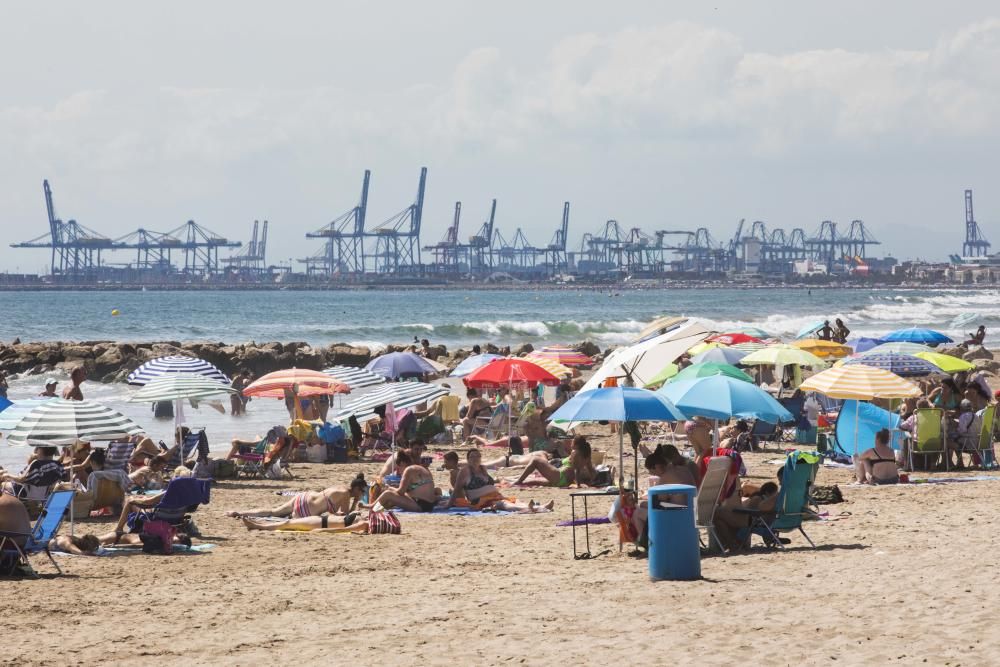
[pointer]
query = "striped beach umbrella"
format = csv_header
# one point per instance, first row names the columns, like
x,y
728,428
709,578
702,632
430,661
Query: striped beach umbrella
x,y
300,381
180,386
58,422
400,394
860,382
551,366
903,365
563,355
355,378
169,365
750,346
898,348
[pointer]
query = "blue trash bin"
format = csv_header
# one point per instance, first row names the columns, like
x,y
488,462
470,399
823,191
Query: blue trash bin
x,y
674,550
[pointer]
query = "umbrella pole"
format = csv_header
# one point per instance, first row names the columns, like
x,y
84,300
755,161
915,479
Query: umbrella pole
x,y
857,419
715,438
621,459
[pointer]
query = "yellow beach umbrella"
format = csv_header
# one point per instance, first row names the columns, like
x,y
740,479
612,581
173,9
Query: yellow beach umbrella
x,y
825,349
860,382
782,355
946,362
703,347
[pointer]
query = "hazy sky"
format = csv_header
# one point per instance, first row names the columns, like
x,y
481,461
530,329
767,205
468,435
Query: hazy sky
x,y
663,115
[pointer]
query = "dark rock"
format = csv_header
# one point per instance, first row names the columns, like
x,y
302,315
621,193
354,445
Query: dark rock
x,y
524,349
977,353
588,348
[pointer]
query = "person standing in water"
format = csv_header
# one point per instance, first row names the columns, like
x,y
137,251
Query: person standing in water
x,y
840,332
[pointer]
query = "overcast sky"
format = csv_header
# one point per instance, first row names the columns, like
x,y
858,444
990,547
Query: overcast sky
x,y
663,115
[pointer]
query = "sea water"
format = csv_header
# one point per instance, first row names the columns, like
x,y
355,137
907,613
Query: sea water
x,y
454,318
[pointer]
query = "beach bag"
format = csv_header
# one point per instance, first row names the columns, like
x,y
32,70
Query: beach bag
x,y
157,537
222,469
383,523
826,495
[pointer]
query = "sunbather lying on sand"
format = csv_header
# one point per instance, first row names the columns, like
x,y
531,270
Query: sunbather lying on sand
x,y
576,468
476,489
88,545
376,523
334,500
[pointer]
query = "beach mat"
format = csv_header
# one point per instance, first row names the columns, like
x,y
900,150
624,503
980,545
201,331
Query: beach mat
x,y
193,550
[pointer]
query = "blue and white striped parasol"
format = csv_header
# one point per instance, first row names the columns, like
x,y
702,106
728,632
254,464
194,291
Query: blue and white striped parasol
x,y
157,368
903,365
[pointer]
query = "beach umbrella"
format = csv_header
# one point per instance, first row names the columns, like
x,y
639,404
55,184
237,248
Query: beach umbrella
x,y
618,404
400,394
640,362
395,365
709,369
704,346
470,364
660,326
750,347
945,362
562,354
179,387
552,366
719,355
825,349
669,371
13,412
917,335
720,397
173,364
508,372
733,338
810,329
355,378
299,381
899,348
862,345
859,381
903,365
756,332
58,422
782,355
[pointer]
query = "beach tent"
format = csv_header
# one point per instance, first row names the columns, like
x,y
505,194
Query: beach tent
x,y
858,422
640,362
173,364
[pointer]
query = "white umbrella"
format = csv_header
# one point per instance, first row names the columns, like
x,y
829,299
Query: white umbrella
x,y
642,361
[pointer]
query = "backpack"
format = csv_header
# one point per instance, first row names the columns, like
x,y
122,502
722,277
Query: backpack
x,y
826,495
157,537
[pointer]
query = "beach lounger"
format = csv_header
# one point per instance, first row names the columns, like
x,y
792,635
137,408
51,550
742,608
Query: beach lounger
x,y
707,500
45,529
792,505
928,434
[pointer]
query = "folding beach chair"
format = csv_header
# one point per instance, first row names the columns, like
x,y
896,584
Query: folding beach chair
x,y
707,500
183,496
792,504
45,529
118,455
196,439
251,464
493,426
928,434
980,440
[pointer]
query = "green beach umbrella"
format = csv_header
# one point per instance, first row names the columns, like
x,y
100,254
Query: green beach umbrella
x,y
669,371
709,369
180,386
946,362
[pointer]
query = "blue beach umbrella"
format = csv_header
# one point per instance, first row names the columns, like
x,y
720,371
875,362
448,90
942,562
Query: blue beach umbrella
x,y
862,345
396,365
903,365
810,329
723,397
917,335
618,404
720,355
470,364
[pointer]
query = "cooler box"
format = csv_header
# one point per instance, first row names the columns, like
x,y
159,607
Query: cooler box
x,y
674,549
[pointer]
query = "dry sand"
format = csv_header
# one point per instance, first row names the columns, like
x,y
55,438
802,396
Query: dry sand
x,y
905,578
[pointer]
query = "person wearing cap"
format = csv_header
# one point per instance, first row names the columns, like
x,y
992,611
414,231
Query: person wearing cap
x,y
50,388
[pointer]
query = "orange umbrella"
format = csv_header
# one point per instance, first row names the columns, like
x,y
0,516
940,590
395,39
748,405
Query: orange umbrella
x,y
299,381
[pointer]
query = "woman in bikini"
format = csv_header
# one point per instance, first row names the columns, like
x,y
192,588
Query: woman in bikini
x,y
576,468
334,500
377,523
474,488
416,492
878,464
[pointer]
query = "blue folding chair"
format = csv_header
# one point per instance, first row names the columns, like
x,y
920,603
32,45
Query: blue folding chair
x,y
183,496
45,529
196,439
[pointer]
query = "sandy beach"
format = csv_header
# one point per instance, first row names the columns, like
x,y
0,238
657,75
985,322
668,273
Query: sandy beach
x,y
901,574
